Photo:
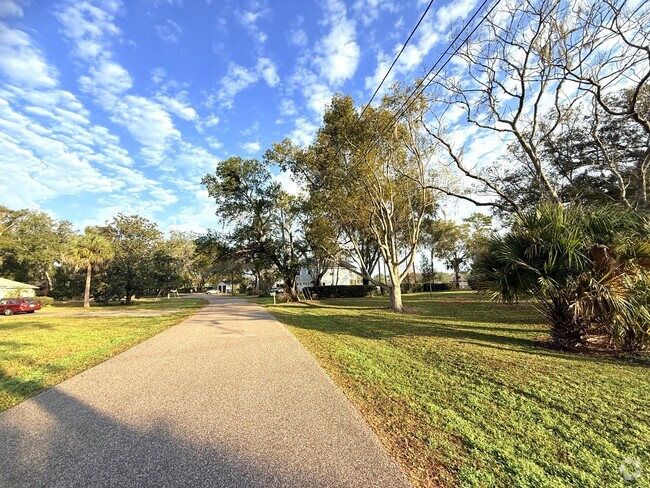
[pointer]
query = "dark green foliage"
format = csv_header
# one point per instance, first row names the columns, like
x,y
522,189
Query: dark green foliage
x,y
412,287
341,291
579,264
436,287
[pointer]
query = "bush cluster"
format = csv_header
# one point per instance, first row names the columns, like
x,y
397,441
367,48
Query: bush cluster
x,y
436,287
340,291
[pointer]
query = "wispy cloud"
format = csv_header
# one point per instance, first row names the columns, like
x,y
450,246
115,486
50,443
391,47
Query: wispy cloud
x,y
251,147
238,78
169,31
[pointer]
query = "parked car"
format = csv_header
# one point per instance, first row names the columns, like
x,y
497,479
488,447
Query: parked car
x,y
10,306
277,289
213,292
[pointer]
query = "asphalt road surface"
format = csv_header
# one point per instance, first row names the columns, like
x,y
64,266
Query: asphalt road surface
x,y
228,398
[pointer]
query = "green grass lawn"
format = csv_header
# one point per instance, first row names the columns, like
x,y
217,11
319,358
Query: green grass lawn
x,y
463,393
39,350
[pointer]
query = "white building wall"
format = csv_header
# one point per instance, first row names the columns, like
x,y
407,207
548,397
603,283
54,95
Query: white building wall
x,y
333,276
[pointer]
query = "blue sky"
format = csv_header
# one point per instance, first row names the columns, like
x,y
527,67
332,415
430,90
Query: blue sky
x,y
109,106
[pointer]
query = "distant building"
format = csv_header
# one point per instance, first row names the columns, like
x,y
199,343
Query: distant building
x,y
224,286
337,275
9,288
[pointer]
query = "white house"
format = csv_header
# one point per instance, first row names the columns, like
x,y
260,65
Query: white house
x,y
10,288
224,287
337,275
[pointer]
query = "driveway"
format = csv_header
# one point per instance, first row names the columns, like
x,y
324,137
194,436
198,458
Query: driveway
x,y
227,398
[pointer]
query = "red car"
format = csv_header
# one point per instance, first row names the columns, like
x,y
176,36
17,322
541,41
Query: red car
x,y
10,306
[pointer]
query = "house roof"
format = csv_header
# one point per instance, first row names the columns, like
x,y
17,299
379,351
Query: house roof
x,y
5,283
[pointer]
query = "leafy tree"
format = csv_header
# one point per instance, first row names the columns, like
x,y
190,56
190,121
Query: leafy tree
x,y
370,181
31,242
264,217
134,240
583,266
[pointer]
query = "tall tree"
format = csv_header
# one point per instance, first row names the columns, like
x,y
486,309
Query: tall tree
x,y
134,240
526,71
264,217
89,251
31,242
370,175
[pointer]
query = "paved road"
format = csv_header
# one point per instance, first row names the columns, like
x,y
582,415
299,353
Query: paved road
x,y
227,398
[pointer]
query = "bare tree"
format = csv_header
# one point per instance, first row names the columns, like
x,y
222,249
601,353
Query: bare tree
x,y
524,72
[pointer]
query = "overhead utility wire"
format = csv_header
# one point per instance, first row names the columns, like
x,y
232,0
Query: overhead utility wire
x,y
403,108
395,60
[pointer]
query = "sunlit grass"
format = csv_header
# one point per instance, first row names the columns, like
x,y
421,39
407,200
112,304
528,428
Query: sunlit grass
x,y
40,350
464,393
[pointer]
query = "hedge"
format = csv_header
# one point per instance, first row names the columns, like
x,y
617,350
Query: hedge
x,y
340,291
436,287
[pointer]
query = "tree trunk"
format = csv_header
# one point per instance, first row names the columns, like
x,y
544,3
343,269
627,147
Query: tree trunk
x,y
395,289
128,295
48,279
567,331
396,299
89,270
290,288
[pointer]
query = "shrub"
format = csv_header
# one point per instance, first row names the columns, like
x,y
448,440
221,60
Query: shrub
x,y
411,288
436,286
45,301
340,291
58,295
582,265
630,325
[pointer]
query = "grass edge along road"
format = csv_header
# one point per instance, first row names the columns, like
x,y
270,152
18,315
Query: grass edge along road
x,y
40,350
463,393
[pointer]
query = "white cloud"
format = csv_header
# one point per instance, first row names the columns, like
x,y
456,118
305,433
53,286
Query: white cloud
x,y
452,11
287,107
158,76
237,79
90,27
304,132
286,181
268,71
178,107
21,62
207,122
9,8
147,122
170,31
197,215
107,78
298,37
368,10
250,147
249,19
337,54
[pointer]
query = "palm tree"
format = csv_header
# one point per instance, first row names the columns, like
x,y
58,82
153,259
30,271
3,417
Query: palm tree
x,y
90,251
581,265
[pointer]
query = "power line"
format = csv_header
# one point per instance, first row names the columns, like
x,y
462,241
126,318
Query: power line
x,y
412,97
395,60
